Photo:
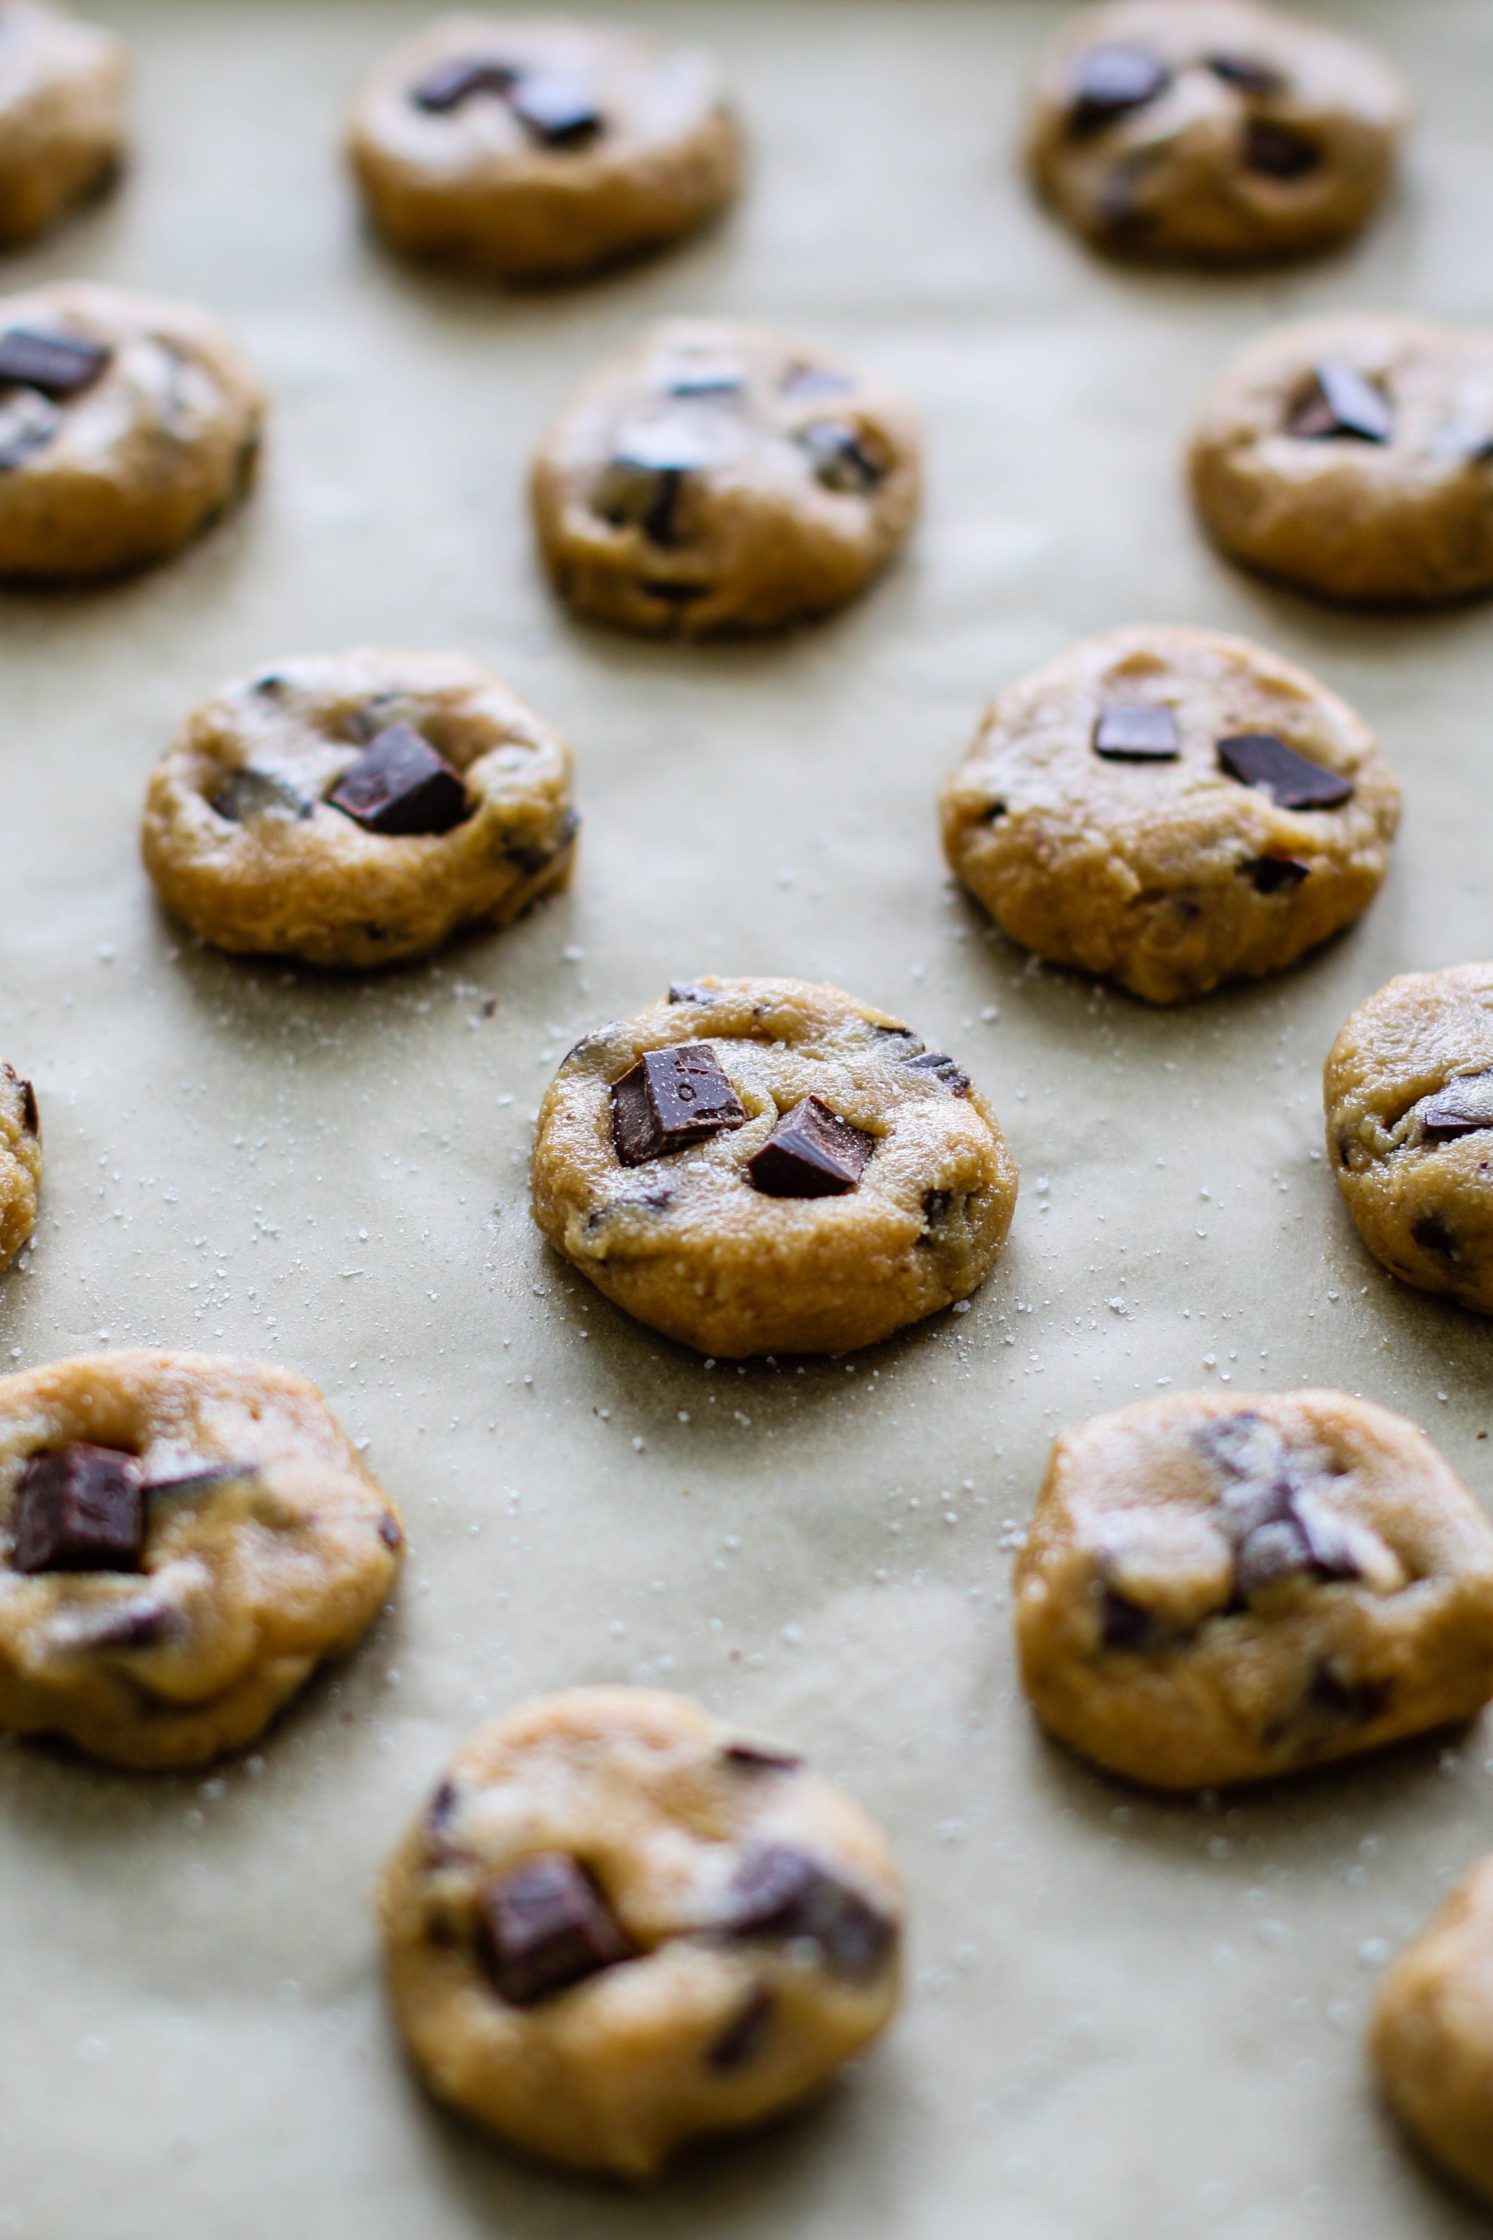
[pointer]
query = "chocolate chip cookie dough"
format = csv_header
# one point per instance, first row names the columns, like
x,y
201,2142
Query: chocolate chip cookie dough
x,y
723,478
62,120
1172,809
1213,131
1352,456
20,1162
183,1539
359,809
532,150
1432,2037
619,1924
126,424
761,1166
1218,1589
1409,1096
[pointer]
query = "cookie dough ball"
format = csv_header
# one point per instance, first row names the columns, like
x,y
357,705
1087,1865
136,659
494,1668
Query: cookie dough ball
x,y
723,478
1171,809
20,1162
1213,131
62,121
1219,1589
1409,1096
126,425
182,1541
761,1166
542,150
1432,2038
620,1924
359,809
1352,456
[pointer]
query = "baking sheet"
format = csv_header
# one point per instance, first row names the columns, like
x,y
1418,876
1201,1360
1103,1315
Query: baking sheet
x,y
1125,2017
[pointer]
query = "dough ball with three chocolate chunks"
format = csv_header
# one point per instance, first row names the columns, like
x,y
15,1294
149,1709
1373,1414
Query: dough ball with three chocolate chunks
x,y
359,809
619,1925
1213,131
1352,456
127,424
1172,809
762,1166
542,150
62,116
1222,1588
723,478
183,1539
1432,2033
1409,1095
20,1162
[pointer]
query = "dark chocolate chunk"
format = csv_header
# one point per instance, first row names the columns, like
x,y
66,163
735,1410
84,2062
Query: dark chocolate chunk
x,y
555,109
937,1206
643,482
1431,1233
1342,402
1108,82
400,786
249,793
441,1808
1131,732
547,1926
688,991
1273,1551
942,1067
129,1625
28,422
706,381
840,458
1334,1696
201,1481
451,83
1244,71
741,2040
780,1891
996,811
811,1153
1463,1108
79,1508
59,365
530,856
803,380
1278,152
761,1757
1259,759
1275,874
389,1530
670,1099
1125,1628
30,1117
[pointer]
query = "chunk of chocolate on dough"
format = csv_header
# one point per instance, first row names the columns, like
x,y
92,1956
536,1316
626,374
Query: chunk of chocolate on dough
x,y
1132,732
669,1100
1342,402
555,109
545,1927
79,1508
780,1891
1260,759
1109,82
399,787
59,365
1463,1108
811,1153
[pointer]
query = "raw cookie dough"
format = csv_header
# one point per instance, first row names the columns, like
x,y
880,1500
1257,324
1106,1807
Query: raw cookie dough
x,y
1352,456
619,1924
1409,1096
126,424
1125,811
761,1166
1432,2038
183,1539
358,809
1213,131
62,120
723,478
1221,1588
541,150
20,1162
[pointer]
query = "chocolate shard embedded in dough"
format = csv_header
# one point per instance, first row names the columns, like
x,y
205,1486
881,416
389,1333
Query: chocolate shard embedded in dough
x,y
451,83
59,365
1276,151
79,1508
706,381
741,2040
643,483
840,458
1248,74
206,1480
1463,1108
30,1116
1133,732
1108,82
761,1757
811,1153
1125,1627
688,991
1342,402
942,1067
780,1891
1273,1551
545,1927
399,787
247,793
670,1099
1275,874
555,109
1261,760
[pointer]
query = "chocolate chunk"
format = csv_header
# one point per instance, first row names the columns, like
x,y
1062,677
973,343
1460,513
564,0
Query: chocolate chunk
x,y
669,1100
1272,1552
1259,79
1131,732
814,381
545,1927
1431,1233
1108,82
28,422
1463,1108
189,1482
811,1153
79,1508
996,811
442,1807
1342,402
840,458
249,793
780,1891
1276,152
1259,759
451,83
1124,1627
555,109
30,1117
400,786
741,2040
643,482
1333,1695
706,381
389,1531
1275,874
942,1067
937,1206
688,991
129,1625
59,365
759,1757
529,857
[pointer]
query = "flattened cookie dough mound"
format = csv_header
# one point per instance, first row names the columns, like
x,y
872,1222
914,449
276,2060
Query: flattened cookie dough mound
x,y
620,1924
358,809
1352,456
1213,131
534,150
1171,809
723,478
761,1166
1409,1096
1218,1589
62,120
1432,2038
126,424
20,1162
183,1539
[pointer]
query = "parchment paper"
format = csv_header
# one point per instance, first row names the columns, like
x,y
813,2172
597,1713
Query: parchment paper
x,y
1125,2018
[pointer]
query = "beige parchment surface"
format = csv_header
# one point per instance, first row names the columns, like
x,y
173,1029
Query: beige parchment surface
x,y
1125,2018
